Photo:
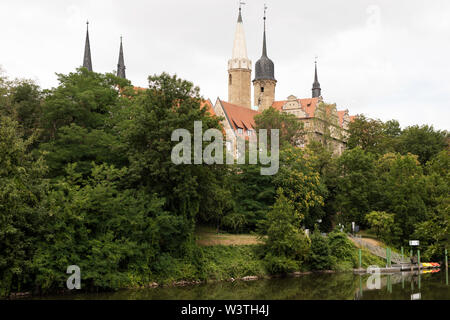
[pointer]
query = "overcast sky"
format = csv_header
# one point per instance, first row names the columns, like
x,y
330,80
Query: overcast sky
x,y
386,59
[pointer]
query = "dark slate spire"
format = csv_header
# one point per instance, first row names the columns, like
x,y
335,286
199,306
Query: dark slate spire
x,y
240,13
121,64
87,61
264,68
316,90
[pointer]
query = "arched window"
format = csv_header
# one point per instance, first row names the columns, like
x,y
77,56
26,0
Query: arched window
x,y
262,89
230,79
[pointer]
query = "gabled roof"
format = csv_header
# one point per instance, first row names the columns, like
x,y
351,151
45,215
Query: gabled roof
x,y
341,115
239,117
308,105
209,107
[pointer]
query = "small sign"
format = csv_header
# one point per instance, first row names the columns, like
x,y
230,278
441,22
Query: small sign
x,y
414,243
416,296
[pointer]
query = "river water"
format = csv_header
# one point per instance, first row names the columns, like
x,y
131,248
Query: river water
x,y
339,286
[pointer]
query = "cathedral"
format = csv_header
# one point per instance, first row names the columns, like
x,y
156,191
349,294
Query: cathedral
x,y
322,122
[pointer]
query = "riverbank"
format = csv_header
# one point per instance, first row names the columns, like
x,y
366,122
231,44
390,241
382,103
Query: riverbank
x,y
221,264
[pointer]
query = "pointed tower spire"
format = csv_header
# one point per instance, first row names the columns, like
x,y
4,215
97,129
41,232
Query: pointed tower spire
x,y
240,12
264,68
265,82
316,90
121,64
240,68
264,53
87,61
240,45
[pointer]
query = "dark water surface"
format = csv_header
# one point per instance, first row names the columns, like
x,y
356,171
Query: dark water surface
x,y
341,286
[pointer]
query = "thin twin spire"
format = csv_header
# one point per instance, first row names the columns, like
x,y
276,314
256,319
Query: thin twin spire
x,y
87,60
121,64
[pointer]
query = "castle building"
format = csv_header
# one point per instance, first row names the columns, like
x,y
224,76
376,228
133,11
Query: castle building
x,y
322,122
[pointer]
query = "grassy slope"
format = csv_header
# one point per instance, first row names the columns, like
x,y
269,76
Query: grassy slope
x,y
207,236
226,256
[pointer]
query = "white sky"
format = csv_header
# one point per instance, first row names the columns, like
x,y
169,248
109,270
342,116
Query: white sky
x,y
386,59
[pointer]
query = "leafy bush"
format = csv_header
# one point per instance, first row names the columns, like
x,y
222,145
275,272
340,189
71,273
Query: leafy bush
x,y
320,253
343,252
109,233
286,245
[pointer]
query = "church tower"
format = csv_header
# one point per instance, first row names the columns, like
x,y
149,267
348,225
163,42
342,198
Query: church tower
x,y
239,70
87,61
264,83
316,90
121,64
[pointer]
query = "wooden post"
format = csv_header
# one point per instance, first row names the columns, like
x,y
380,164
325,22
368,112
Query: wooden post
x,y
446,267
419,282
387,257
390,257
360,258
418,260
446,259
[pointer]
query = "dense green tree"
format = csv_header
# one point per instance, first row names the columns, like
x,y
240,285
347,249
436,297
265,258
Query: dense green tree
x,y
22,189
403,185
323,161
301,184
384,225
286,244
114,235
83,98
23,103
373,135
365,133
291,130
80,119
343,253
357,186
320,254
434,232
167,105
253,195
424,141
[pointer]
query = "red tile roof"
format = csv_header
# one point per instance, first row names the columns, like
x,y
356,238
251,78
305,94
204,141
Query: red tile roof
x,y
341,115
209,107
308,105
239,117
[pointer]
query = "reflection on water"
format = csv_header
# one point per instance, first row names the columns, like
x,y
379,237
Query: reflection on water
x,y
342,286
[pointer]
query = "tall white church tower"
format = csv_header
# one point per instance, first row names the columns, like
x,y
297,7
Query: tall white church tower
x,y
239,69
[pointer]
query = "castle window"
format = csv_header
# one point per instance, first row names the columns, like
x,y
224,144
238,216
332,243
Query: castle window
x,y
262,89
230,79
